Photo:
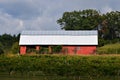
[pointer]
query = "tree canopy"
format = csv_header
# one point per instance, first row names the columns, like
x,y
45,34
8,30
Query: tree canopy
x,y
107,24
80,20
7,41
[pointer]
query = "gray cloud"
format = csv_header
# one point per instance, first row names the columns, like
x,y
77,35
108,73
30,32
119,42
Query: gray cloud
x,y
18,15
10,25
21,9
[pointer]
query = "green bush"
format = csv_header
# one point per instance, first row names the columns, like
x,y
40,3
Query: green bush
x,y
103,42
43,50
1,51
109,49
15,48
62,65
56,49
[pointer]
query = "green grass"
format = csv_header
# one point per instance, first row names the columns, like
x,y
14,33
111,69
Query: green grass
x,y
109,49
18,76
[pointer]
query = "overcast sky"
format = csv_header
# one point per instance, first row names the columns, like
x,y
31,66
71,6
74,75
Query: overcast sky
x,y
19,15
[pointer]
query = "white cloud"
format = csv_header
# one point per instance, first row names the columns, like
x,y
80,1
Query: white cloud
x,y
9,24
21,23
106,9
41,23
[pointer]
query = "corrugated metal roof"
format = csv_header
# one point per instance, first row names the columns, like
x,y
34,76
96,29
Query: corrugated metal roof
x,y
59,38
73,33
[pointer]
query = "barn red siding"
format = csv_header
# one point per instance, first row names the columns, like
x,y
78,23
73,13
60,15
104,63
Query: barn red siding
x,y
68,49
79,49
37,48
22,49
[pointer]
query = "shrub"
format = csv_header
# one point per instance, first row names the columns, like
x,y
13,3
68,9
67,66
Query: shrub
x,y
109,49
56,49
43,50
62,65
1,48
15,48
1,51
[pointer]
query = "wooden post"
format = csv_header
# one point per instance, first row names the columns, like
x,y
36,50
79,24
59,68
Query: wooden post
x,y
37,48
50,49
23,50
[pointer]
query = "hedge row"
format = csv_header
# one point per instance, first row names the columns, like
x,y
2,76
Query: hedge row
x,y
62,65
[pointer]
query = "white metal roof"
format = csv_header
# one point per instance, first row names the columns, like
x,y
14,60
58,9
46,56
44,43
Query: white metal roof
x,y
74,33
89,37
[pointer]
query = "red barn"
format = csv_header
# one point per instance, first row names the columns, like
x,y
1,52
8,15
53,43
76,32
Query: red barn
x,y
72,42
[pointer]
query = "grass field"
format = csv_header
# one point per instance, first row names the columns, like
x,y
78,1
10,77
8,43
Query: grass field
x,y
5,76
109,49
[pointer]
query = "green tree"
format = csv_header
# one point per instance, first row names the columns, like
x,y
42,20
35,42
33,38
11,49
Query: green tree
x,y
80,20
110,25
1,48
15,48
7,40
1,51
113,23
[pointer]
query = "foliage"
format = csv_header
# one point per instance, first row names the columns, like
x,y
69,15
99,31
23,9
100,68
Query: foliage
x,y
1,51
7,41
1,48
109,49
15,47
101,42
108,25
43,50
79,20
56,49
62,65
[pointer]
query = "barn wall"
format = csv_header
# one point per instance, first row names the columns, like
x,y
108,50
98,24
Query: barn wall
x,y
23,49
79,49
68,49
